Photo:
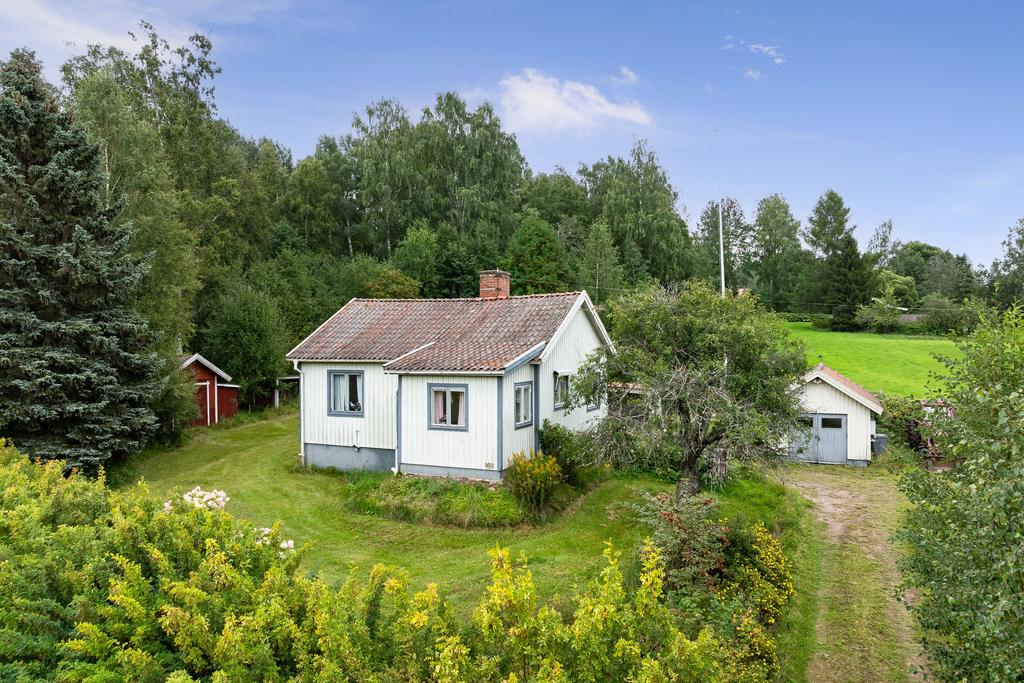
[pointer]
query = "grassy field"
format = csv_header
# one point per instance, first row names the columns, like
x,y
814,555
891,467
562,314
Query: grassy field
x,y
892,363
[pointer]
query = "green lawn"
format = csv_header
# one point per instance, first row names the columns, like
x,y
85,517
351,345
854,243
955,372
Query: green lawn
x,y
892,363
257,465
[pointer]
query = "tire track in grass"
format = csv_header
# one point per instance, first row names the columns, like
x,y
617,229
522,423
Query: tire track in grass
x,y
863,632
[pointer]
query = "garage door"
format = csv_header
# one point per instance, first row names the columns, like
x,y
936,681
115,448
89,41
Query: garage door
x,y
822,438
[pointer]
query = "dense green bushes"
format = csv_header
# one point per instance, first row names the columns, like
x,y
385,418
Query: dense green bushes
x,y
736,579
103,585
963,529
818,319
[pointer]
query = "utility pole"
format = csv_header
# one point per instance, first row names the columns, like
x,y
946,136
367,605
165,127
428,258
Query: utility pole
x,y
721,246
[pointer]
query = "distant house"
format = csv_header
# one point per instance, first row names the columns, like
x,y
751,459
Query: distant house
x,y
448,387
838,419
216,397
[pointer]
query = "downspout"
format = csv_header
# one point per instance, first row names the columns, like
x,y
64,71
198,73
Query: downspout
x,y
398,429
302,436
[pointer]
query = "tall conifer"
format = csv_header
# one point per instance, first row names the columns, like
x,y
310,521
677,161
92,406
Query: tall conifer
x,y
76,376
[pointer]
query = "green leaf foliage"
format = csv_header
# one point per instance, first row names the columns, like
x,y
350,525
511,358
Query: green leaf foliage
x,y
536,259
963,531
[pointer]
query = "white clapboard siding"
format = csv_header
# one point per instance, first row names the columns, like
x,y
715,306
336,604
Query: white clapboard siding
x,y
577,342
521,439
820,397
474,448
375,429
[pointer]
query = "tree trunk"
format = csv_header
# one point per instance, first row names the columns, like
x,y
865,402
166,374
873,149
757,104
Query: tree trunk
x,y
688,483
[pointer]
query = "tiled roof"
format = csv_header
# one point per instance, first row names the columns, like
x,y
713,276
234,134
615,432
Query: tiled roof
x,y
837,378
438,334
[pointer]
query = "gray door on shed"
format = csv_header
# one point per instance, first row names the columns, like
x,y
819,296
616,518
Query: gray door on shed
x,y
821,439
802,444
831,433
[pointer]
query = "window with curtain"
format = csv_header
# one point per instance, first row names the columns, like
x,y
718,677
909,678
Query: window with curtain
x,y
524,404
345,391
448,406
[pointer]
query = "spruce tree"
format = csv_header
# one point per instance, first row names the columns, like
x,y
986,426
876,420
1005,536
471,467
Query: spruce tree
x,y
76,375
599,271
536,258
848,282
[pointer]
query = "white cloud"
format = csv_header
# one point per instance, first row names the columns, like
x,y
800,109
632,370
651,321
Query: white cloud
x,y
769,51
626,77
708,88
533,101
754,74
57,29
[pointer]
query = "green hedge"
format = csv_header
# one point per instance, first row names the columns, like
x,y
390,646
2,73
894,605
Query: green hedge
x,y
818,319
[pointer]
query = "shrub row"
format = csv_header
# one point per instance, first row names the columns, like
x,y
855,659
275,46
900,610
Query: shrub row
x,y
819,319
102,585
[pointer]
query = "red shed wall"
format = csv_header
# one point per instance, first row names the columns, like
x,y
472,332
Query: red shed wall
x,y
227,401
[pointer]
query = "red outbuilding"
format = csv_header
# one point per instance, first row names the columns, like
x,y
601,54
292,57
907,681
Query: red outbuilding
x,y
216,396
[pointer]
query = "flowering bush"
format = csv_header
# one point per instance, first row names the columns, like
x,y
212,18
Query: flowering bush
x,y
210,500
532,479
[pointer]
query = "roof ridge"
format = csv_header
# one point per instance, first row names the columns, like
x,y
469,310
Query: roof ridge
x,y
539,295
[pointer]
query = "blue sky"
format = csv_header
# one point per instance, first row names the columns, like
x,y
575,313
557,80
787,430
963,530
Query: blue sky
x,y
911,110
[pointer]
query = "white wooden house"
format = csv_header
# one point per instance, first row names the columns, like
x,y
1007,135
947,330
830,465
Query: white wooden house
x,y
449,387
838,419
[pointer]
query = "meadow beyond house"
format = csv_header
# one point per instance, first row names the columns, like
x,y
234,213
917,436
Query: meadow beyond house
x,y
447,387
838,417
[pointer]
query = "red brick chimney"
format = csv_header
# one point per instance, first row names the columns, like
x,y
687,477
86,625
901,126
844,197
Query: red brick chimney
x,y
495,284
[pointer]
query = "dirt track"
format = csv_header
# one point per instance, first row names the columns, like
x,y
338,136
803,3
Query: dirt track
x,y
864,633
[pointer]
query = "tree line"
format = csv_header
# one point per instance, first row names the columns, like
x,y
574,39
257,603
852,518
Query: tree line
x,y
242,251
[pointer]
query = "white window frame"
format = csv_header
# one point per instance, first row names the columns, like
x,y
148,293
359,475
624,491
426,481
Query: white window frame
x,y
526,389
561,395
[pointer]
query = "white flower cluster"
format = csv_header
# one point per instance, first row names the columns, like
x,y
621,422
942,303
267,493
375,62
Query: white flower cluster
x,y
209,500
263,536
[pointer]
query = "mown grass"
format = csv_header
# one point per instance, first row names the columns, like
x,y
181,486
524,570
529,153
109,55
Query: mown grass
x,y
257,464
889,363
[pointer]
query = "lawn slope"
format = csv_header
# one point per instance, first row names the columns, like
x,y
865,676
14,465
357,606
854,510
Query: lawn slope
x,y
891,363
257,465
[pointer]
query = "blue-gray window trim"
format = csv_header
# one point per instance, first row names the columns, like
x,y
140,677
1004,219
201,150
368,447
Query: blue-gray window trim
x,y
330,389
532,418
430,406
593,407
554,393
530,422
